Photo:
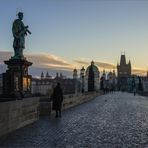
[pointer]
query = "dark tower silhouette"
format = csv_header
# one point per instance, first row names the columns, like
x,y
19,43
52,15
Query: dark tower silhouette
x,y
47,75
42,75
82,71
91,79
124,72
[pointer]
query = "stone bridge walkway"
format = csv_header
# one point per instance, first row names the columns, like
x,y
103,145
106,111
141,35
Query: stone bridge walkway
x,y
118,120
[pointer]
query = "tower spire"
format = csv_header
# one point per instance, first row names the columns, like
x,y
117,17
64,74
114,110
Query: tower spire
x,y
75,75
122,60
42,75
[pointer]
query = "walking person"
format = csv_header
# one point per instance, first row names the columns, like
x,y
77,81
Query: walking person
x,y
134,90
134,85
57,98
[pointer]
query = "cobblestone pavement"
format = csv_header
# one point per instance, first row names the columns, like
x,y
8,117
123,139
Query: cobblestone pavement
x,y
117,120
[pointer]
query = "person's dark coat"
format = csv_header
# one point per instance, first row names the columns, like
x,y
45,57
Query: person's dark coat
x,y
57,98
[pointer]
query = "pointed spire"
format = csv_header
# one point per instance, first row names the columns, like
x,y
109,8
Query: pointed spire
x,y
122,60
47,75
42,75
75,75
82,71
75,70
129,62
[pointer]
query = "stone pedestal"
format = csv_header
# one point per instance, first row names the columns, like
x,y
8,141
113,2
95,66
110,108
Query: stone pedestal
x,y
16,81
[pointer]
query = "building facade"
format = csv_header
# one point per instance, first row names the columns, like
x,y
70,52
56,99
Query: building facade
x,y
45,84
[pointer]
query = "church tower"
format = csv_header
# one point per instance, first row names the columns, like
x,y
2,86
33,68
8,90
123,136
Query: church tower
x,y
124,69
124,72
75,75
42,75
47,74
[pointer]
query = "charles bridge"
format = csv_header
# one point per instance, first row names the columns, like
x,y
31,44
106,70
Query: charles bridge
x,y
118,120
89,120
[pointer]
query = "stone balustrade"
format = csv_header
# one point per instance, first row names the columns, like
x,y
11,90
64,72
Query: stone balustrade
x,y
68,102
18,113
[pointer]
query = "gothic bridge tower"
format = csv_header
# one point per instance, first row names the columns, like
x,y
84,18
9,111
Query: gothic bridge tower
x,y
124,72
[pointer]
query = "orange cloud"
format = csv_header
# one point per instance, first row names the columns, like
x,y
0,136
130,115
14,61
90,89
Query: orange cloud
x,y
50,61
102,65
105,65
42,60
82,62
139,71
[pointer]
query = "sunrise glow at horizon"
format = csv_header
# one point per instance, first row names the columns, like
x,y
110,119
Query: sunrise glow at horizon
x,y
80,30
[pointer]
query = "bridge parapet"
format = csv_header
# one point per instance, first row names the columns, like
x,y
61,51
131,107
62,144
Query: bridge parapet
x,y
69,101
18,113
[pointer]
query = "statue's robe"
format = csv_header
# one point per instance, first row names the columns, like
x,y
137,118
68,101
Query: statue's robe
x,y
19,37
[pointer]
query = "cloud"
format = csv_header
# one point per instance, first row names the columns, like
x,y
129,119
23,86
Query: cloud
x,y
139,71
4,55
109,66
102,65
49,61
42,61
54,63
105,65
82,62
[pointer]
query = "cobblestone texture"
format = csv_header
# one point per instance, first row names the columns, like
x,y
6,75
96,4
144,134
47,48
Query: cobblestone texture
x,y
117,120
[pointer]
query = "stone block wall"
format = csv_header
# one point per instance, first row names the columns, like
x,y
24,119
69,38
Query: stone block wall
x,y
68,102
16,114
73,100
45,108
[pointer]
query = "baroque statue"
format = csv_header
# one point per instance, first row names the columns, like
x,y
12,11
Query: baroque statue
x,y
19,31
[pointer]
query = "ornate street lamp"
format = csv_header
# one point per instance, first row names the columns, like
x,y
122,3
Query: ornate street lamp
x,y
82,78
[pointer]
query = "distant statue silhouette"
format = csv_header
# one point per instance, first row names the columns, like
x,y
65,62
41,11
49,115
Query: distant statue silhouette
x,y
57,98
19,31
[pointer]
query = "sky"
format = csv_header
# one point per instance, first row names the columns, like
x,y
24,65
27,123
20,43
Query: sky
x,y
71,33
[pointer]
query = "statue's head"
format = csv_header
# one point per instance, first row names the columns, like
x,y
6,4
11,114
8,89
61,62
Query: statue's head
x,y
20,15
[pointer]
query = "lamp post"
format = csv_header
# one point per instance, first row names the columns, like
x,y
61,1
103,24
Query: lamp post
x,y
82,78
75,77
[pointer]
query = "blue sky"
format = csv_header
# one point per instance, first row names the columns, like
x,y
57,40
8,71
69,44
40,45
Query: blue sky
x,y
80,30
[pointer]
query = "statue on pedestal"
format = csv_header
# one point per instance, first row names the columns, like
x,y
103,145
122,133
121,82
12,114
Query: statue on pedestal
x,y
19,31
16,80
